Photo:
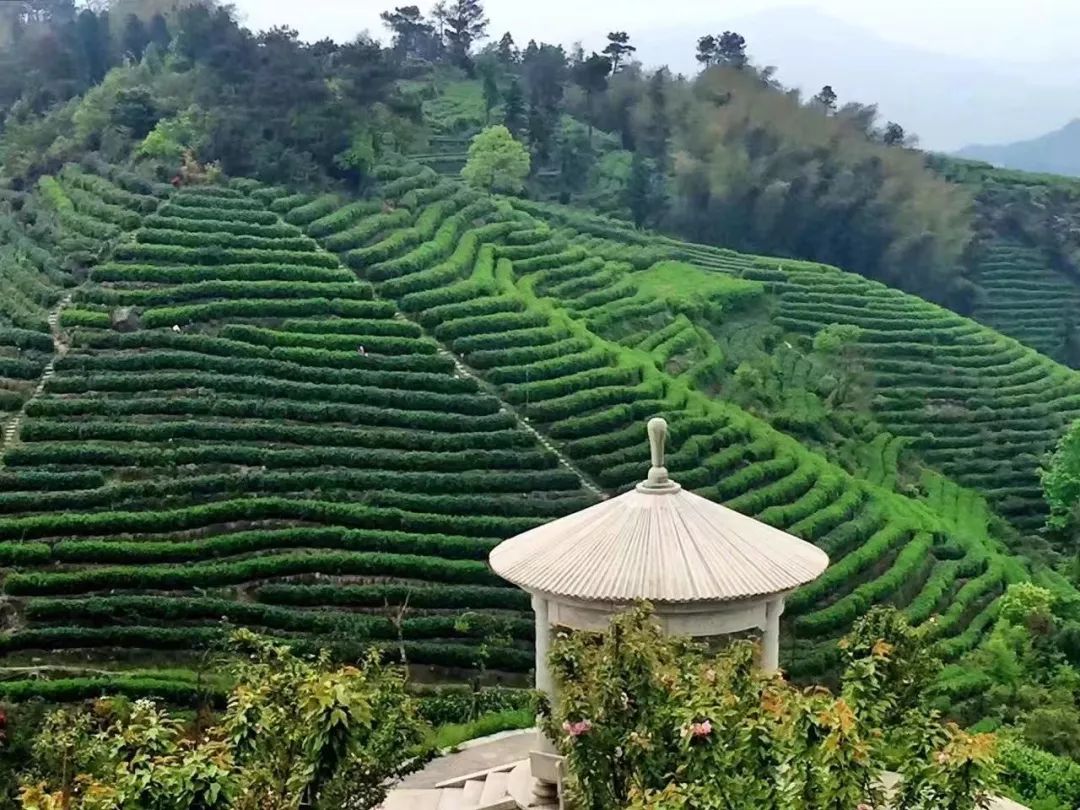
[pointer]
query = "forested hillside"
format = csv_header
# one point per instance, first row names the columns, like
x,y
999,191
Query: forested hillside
x,y
292,334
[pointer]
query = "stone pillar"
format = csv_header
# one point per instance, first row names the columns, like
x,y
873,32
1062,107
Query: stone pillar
x,y
544,760
770,643
544,681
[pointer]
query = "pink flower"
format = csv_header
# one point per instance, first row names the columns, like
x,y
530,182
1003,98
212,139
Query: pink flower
x,y
578,728
942,758
864,806
702,729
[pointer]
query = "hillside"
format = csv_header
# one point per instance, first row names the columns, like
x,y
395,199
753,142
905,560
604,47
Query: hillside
x,y
215,435
1056,152
1025,259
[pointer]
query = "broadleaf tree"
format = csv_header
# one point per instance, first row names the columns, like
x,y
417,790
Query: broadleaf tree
x,y
497,162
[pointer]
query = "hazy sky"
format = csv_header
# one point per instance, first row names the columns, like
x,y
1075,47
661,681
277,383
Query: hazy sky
x,y
1013,30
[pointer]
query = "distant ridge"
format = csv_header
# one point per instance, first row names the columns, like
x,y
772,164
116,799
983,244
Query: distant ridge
x,y
1056,152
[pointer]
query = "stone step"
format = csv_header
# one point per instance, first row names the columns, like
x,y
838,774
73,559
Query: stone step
x,y
451,799
405,799
471,793
495,796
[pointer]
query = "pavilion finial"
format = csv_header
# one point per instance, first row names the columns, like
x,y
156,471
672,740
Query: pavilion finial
x,y
658,477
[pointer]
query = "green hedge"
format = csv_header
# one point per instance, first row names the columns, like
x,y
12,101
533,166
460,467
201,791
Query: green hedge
x,y
106,611
337,221
317,410
84,317
166,274
232,241
375,343
355,326
88,364
218,255
316,209
536,336
218,574
174,209
71,690
911,559
367,229
220,198
503,359
476,493
1033,775
282,389
63,525
560,366
175,453
440,597
580,382
260,540
273,308
348,290
200,226
272,432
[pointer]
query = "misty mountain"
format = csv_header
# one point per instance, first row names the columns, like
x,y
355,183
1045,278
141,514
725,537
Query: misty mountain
x,y
1056,152
947,101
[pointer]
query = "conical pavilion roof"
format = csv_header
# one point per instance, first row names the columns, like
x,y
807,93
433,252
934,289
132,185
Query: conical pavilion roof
x,y
660,543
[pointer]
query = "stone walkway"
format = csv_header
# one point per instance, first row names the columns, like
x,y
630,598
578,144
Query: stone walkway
x,y
485,753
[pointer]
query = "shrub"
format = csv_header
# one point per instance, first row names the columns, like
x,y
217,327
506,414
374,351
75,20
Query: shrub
x,y
649,722
341,734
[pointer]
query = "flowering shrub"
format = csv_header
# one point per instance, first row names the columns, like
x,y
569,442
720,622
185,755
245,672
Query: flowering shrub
x,y
649,722
296,733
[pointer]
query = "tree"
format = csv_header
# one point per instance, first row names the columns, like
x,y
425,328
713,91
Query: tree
x,y
575,158
1061,485
296,732
92,40
544,72
591,75
491,92
706,50
159,32
639,190
826,99
136,111
507,52
618,46
514,108
731,50
135,37
465,24
413,35
496,162
894,134
656,134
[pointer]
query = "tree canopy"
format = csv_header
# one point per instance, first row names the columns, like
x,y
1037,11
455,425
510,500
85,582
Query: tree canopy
x,y
497,162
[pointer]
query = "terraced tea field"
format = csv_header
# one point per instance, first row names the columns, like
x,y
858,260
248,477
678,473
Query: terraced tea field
x,y
1025,298
585,337
982,408
259,428
315,416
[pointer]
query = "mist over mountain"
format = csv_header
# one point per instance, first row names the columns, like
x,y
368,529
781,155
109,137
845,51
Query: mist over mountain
x,y
1056,152
948,101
